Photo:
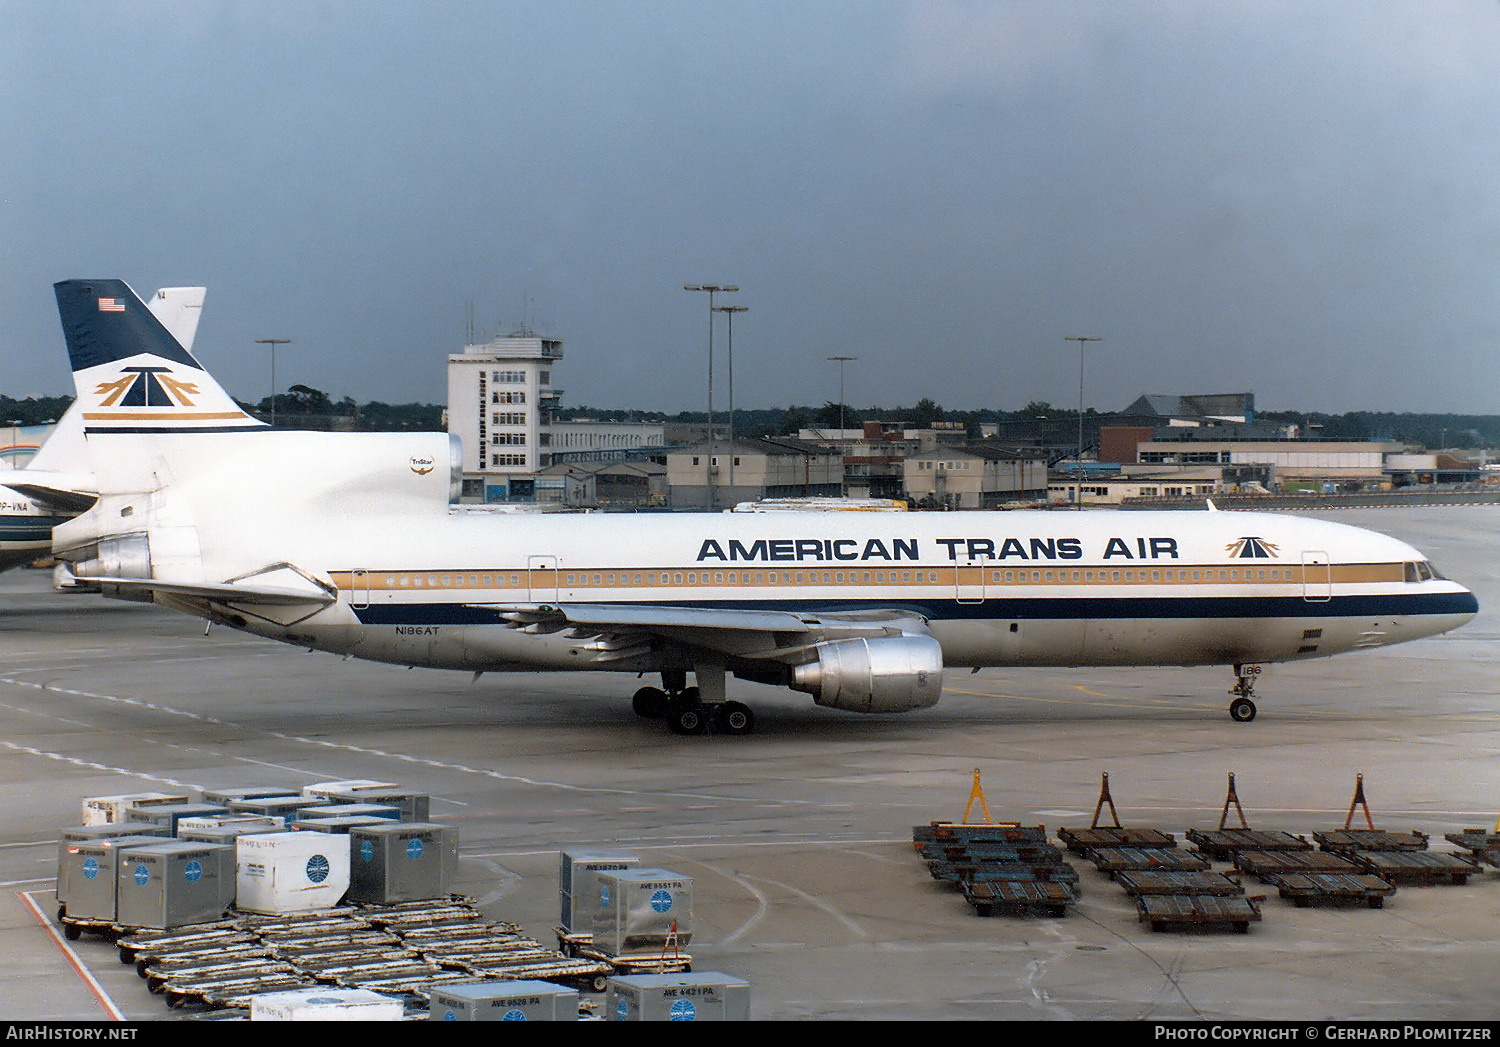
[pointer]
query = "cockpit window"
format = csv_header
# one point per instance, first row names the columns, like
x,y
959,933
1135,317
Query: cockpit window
x,y
1433,572
1421,571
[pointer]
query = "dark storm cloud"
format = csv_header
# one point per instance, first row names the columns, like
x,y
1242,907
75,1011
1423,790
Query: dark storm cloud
x,y
1292,199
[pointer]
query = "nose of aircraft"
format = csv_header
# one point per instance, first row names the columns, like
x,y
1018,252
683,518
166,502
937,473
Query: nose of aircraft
x,y
1468,604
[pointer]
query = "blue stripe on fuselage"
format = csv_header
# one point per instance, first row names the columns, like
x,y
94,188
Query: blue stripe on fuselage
x,y
28,528
1381,605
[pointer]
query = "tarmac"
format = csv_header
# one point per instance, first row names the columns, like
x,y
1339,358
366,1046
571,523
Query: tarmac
x,y
798,837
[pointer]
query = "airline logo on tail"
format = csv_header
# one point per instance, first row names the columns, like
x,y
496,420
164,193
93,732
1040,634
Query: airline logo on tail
x,y
132,374
147,387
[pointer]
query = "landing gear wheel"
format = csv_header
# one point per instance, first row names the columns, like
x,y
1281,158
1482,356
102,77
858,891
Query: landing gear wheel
x,y
650,702
1242,709
687,717
734,718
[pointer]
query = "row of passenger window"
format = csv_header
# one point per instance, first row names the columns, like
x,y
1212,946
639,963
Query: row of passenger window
x,y
575,580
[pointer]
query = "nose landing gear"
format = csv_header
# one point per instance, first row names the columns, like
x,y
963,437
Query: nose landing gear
x,y
1242,708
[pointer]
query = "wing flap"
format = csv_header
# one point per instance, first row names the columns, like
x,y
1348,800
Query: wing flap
x,y
618,630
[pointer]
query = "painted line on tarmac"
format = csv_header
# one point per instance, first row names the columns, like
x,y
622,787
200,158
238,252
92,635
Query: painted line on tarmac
x,y
114,1013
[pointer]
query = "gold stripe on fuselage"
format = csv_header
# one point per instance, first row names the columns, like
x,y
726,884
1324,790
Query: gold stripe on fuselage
x,y
991,577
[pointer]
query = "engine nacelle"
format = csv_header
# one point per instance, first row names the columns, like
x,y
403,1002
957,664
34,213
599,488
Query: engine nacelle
x,y
119,556
889,674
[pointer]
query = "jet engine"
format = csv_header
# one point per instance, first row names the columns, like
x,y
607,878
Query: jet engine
x,y
891,674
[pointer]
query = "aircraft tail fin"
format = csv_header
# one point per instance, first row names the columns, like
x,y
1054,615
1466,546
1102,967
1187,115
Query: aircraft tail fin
x,y
179,309
132,373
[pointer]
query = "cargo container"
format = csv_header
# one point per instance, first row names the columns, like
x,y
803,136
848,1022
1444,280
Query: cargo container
x,y
174,883
288,807
111,810
578,885
639,909
326,1005
86,876
167,815
225,828
291,872
340,809
700,997
401,862
351,785
229,794
504,1001
413,807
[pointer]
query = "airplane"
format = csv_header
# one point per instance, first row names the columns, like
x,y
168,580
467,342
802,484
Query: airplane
x,y
352,543
56,483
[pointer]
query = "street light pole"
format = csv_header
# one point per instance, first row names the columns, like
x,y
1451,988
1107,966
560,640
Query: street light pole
x,y
729,311
273,343
843,467
1082,340
711,289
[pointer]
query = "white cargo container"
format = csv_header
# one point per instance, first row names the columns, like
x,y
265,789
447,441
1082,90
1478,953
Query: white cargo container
x,y
326,1005
291,872
699,997
640,908
353,785
507,1001
111,810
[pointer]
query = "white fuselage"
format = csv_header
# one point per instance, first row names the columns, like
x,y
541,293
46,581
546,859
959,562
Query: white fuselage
x,y
1023,588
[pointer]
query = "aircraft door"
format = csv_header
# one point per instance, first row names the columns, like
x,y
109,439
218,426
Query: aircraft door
x,y
969,579
1317,577
359,588
542,575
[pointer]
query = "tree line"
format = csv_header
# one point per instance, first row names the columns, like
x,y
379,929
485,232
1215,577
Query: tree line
x,y
302,406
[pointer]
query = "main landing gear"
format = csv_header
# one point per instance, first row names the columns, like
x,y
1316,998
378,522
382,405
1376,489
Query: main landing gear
x,y
687,712
1242,709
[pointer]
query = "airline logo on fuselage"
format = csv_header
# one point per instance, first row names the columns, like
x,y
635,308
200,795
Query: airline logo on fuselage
x,y
891,550
1252,549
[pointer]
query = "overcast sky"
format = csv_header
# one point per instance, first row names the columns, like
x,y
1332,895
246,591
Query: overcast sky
x,y
1297,199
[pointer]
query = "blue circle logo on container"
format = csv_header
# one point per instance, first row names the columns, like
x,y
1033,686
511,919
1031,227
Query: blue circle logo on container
x,y
661,901
142,874
90,868
414,850
622,1010
514,1015
682,1011
604,895
367,850
317,868
192,871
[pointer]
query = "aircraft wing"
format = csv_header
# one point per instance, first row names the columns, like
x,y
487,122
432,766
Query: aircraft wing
x,y
750,634
68,492
278,585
